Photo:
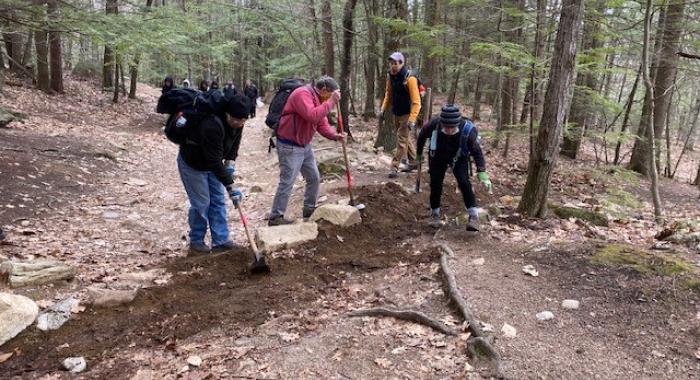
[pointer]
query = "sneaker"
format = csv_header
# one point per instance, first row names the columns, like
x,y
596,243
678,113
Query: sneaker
x,y
279,221
200,247
393,174
308,211
473,224
435,221
225,247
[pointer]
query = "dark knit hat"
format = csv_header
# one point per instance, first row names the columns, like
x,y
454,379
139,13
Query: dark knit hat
x,y
238,106
450,115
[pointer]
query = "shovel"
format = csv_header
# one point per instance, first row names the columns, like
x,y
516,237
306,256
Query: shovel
x,y
259,265
358,206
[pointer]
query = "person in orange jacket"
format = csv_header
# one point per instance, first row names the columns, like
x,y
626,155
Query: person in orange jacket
x,y
404,98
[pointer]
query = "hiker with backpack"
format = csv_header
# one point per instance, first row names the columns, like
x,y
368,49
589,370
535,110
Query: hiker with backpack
x,y
252,93
167,84
204,85
402,94
453,140
305,113
206,164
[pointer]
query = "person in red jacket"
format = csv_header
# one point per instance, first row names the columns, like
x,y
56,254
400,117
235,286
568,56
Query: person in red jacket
x,y
304,114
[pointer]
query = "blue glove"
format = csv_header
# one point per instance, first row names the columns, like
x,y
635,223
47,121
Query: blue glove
x,y
235,194
230,167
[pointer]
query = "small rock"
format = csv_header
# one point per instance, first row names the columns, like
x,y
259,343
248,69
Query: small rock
x,y
468,367
58,314
194,361
545,316
529,269
478,262
662,246
570,304
107,297
256,189
109,215
658,354
509,331
75,364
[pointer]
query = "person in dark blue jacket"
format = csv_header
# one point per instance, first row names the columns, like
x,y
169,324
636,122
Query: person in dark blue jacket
x,y
453,140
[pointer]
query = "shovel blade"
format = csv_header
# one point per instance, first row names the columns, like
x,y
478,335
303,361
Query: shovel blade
x,y
259,266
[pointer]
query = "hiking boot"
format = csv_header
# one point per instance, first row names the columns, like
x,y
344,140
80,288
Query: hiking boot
x,y
473,224
225,247
279,221
410,168
435,221
200,247
307,212
393,174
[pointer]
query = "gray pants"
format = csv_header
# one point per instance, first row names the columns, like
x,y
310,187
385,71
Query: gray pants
x,y
292,160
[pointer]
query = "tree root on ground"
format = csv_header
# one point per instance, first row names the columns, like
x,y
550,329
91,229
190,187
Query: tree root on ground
x,y
478,345
407,315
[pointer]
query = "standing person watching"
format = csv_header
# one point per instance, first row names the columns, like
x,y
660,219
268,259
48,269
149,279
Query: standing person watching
x,y
304,114
403,96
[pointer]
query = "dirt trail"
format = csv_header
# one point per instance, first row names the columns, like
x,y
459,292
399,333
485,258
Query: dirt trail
x,y
292,324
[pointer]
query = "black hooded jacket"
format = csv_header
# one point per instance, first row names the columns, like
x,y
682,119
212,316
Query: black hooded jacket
x,y
166,87
447,146
251,92
209,144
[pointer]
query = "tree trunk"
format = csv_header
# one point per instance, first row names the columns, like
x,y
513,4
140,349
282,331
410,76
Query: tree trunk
x,y
2,72
134,74
111,7
56,57
626,119
665,66
586,83
43,81
115,98
476,108
557,98
346,60
650,116
27,53
693,125
327,28
386,136
433,12
13,42
371,64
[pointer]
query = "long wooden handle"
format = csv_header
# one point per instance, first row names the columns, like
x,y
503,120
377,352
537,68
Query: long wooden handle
x,y
247,232
345,156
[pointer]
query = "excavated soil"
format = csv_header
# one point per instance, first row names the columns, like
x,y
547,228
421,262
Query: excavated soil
x,y
216,291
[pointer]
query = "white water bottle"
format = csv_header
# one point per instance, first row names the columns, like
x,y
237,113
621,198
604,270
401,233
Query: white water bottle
x,y
180,121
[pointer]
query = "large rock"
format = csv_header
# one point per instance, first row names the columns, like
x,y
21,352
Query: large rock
x,y
101,297
340,215
144,279
271,239
16,313
35,273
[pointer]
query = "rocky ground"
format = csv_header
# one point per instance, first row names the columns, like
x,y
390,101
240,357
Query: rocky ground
x,y
93,186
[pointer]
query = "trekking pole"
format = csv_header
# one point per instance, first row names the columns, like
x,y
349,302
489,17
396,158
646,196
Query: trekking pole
x,y
259,265
426,118
359,206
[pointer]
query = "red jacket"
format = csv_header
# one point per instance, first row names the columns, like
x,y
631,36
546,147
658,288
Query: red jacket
x,y
303,115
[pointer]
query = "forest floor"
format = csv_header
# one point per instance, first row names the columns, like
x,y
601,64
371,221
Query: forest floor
x,y
95,185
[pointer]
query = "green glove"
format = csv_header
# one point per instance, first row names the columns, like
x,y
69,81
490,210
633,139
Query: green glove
x,y
419,158
484,178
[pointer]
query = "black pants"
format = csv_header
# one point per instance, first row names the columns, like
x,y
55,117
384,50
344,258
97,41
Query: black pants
x,y
438,167
251,111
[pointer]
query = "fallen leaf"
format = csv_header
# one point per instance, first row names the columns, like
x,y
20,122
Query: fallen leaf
x,y
529,269
4,357
340,238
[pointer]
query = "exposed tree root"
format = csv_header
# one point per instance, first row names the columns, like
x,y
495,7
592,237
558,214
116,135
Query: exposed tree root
x,y
406,315
478,345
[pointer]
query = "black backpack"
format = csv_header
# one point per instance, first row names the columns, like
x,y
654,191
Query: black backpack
x,y
286,88
187,108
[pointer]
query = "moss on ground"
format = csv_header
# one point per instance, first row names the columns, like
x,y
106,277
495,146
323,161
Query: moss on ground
x,y
330,168
570,212
640,260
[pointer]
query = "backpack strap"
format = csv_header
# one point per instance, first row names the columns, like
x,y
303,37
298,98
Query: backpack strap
x,y
466,130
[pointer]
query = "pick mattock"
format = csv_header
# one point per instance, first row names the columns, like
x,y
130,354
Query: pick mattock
x,y
259,265
359,206
426,119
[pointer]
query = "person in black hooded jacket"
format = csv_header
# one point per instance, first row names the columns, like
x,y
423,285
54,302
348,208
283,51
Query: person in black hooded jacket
x,y
252,93
206,165
167,84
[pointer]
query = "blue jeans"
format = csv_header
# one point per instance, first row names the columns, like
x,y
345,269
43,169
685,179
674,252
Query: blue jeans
x,y
293,160
207,204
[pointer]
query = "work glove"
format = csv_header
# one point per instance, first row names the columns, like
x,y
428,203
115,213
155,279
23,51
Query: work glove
x,y
419,158
235,194
484,178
